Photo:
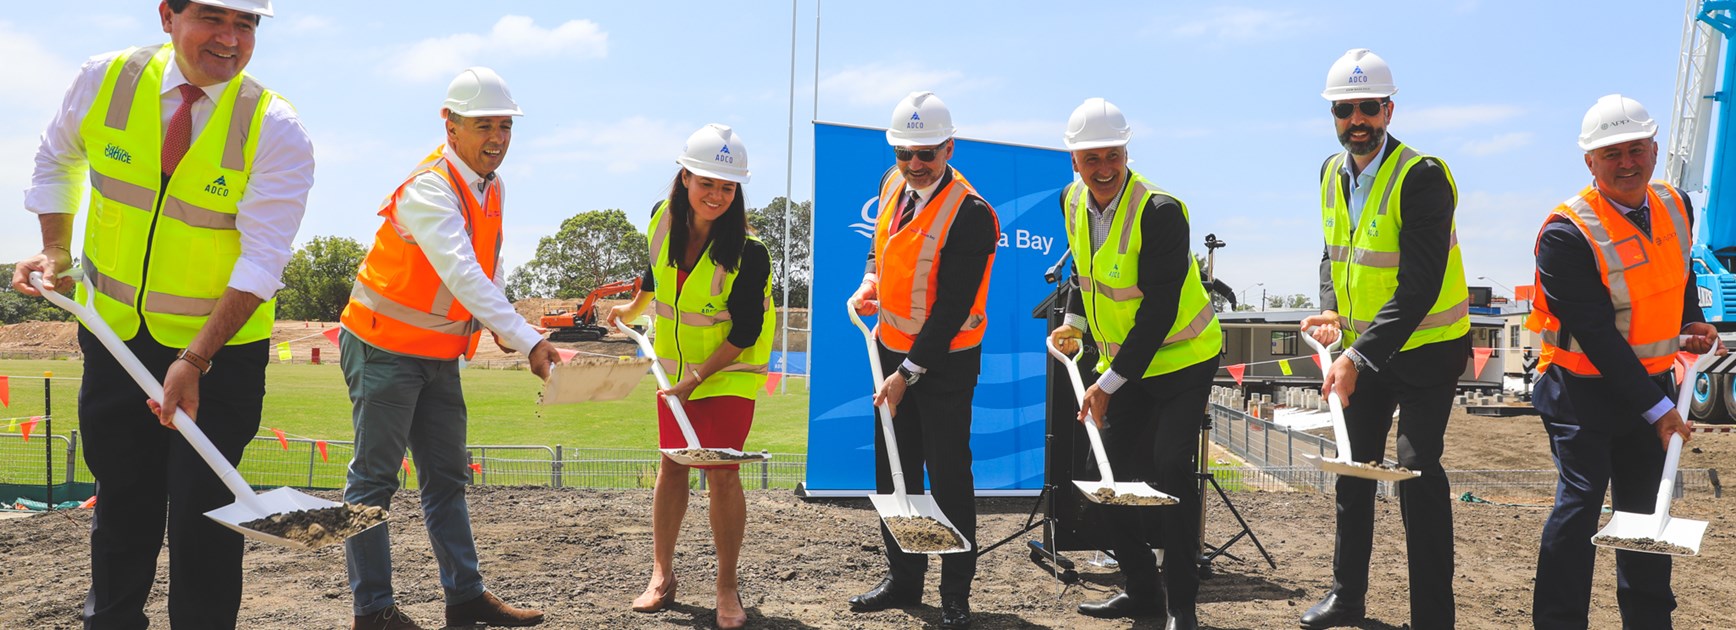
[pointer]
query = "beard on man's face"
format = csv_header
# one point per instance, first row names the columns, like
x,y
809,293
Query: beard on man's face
x,y
1365,147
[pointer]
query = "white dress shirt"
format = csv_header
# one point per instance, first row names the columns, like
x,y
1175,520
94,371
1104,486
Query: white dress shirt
x,y
431,212
270,211
1360,182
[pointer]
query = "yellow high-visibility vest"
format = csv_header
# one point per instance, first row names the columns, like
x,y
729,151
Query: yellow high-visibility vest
x,y
161,252
694,321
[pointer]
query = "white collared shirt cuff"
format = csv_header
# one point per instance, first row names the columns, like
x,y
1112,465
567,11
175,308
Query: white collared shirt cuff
x,y
249,277
1077,322
913,368
1110,381
1658,410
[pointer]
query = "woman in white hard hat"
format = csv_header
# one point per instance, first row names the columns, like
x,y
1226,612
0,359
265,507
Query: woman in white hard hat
x,y
710,280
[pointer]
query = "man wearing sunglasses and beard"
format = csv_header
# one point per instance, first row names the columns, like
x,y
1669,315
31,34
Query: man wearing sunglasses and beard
x,y
1392,283
928,276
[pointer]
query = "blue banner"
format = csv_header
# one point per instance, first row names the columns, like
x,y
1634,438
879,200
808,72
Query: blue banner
x,y
1024,186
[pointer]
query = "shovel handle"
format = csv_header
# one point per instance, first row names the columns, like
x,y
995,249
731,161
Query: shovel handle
x,y
673,401
1340,432
1091,430
1673,456
884,410
188,428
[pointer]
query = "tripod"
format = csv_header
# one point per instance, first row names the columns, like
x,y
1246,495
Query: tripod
x,y
1208,551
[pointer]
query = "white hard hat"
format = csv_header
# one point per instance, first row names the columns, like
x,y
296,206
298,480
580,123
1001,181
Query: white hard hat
x,y
920,120
479,91
1359,74
261,8
1613,120
1097,124
716,152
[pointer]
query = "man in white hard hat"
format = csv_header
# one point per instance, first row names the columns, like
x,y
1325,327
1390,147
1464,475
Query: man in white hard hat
x,y
1615,294
1138,282
931,294
1392,283
189,231
431,282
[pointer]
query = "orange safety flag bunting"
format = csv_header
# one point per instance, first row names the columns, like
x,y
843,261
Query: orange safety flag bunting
x,y
320,444
477,468
1479,358
6,391
29,425
1236,371
772,379
280,439
332,334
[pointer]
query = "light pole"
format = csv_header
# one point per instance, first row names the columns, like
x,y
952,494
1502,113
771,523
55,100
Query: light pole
x,y
1262,294
1492,280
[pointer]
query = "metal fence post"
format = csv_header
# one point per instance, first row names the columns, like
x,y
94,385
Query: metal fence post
x,y
71,456
555,468
48,439
765,474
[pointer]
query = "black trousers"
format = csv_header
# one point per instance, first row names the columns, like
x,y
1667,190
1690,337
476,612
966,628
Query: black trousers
x,y
933,427
1153,436
1424,502
145,471
1598,447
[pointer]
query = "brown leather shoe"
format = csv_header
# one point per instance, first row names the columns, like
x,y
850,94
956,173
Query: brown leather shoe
x,y
489,610
389,618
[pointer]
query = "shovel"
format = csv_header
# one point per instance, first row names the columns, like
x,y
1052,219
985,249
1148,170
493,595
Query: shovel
x,y
682,455
900,504
1657,532
1341,464
248,505
1145,494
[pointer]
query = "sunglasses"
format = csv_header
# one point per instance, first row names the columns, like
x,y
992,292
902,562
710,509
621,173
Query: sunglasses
x,y
1369,108
926,155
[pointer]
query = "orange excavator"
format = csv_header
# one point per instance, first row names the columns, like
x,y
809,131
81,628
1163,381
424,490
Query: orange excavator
x,y
580,324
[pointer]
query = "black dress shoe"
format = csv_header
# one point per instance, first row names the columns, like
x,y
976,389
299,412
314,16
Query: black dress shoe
x,y
1334,611
954,612
1182,621
1123,606
886,595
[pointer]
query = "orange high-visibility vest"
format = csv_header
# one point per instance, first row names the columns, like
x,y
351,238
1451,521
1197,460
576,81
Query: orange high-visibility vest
x,y
907,261
1645,276
399,304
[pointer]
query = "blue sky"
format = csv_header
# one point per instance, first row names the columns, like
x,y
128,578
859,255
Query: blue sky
x,y
1223,96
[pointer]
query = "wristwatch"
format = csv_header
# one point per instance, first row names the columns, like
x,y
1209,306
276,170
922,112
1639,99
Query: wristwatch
x,y
910,377
1357,360
198,362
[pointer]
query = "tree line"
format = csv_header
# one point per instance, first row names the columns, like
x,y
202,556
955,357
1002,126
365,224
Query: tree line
x,y
590,249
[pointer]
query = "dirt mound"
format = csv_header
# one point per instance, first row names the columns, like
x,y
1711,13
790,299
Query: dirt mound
x,y
57,336
582,555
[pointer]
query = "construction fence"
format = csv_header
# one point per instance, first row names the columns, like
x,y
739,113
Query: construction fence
x,y
56,473
1274,454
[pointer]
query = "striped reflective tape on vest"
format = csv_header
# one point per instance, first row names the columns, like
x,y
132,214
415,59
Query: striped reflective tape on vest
x,y
1654,350
1195,327
1377,259
1405,156
666,311
126,193
911,327
410,316
168,304
1434,320
670,367
126,86
1678,217
1600,238
108,285
949,205
195,216
1115,294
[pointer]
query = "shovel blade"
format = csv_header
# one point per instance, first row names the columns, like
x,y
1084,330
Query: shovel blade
x,y
732,457
913,506
1362,471
1133,488
1679,532
591,379
276,501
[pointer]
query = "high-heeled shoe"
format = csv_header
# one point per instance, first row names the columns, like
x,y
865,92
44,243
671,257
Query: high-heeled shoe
x,y
652,601
733,623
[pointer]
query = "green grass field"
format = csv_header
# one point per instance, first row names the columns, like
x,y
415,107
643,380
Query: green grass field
x,y
312,401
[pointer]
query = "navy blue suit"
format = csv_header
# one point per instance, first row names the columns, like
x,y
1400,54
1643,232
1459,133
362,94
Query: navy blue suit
x,y
1600,439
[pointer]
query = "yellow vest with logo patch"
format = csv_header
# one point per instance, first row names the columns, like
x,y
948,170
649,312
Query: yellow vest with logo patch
x,y
160,250
694,321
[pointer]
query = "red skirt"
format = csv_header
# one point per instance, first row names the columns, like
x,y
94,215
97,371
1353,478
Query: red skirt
x,y
718,421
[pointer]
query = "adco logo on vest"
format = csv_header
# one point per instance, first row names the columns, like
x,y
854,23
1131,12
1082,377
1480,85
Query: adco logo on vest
x,y
218,187
117,154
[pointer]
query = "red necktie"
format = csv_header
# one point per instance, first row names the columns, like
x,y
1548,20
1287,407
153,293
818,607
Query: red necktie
x,y
180,129
905,214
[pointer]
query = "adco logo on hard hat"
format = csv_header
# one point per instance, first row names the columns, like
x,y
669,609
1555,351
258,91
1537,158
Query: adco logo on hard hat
x,y
1613,120
1358,74
920,120
715,151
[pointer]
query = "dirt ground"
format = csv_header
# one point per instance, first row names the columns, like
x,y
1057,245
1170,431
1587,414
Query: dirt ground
x,y
583,555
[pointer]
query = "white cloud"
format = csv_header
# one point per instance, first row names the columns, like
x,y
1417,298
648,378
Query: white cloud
x,y
1245,24
882,85
622,146
1499,144
311,24
1449,117
513,37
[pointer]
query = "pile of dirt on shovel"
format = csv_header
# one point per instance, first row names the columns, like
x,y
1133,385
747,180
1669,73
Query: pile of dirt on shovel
x,y
920,534
710,455
1108,496
319,527
1648,545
